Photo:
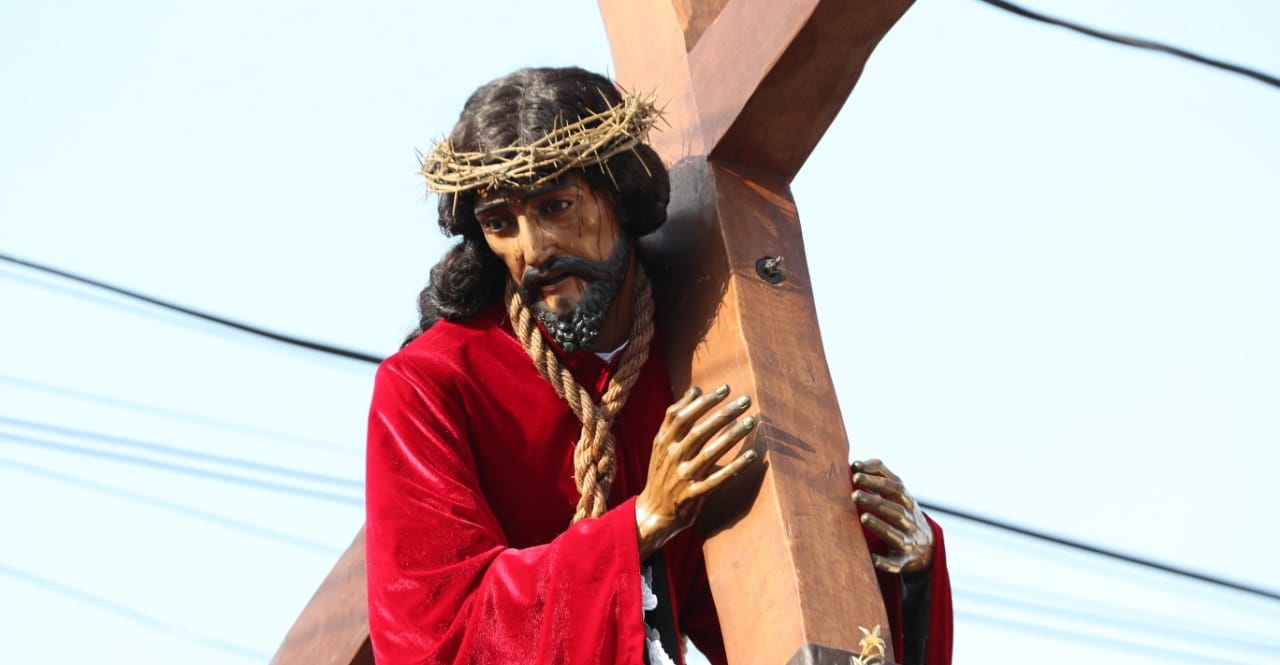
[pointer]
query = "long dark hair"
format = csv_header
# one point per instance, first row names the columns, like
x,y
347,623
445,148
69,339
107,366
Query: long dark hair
x,y
518,109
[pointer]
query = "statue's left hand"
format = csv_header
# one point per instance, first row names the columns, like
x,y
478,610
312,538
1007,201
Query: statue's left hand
x,y
891,512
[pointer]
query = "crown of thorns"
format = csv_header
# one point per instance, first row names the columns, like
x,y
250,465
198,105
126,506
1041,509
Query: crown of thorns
x,y
591,140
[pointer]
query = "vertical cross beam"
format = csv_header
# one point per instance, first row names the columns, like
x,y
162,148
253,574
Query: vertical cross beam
x,y
753,85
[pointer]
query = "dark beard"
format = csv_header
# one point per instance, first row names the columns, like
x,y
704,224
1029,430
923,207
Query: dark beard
x,y
578,328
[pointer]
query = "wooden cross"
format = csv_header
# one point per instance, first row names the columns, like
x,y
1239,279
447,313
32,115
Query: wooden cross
x,y
752,86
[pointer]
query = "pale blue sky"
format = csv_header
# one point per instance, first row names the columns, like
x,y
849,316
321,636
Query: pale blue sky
x,y
1045,268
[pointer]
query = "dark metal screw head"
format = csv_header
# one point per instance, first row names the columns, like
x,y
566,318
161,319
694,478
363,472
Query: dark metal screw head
x,y
770,268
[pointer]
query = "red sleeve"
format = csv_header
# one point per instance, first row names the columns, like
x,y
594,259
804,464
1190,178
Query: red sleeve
x,y
939,624
940,614
444,587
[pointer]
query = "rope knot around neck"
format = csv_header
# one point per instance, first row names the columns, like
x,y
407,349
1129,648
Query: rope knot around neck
x,y
594,463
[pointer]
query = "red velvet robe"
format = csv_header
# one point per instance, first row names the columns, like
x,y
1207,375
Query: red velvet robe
x,y
470,492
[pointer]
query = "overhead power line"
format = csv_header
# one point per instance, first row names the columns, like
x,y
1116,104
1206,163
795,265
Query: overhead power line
x,y
126,612
1094,549
212,318
996,588
183,469
1138,624
1136,42
222,424
937,508
167,505
175,451
1110,641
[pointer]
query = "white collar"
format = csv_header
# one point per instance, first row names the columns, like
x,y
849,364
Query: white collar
x,y
608,356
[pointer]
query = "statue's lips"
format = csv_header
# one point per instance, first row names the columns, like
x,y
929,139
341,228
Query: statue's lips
x,y
553,280
554,283
557,274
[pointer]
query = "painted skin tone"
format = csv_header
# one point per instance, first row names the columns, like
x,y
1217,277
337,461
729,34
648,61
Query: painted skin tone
x,y
526,229
893,514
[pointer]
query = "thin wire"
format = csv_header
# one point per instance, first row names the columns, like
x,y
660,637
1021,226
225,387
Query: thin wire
x,y
185,511
217,423
182,469
1093,549
1080,638
212,318
183,452
1136,42
1117,608
1132,621
132,614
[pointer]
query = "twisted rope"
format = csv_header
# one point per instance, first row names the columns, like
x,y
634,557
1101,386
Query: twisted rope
x,y
594,463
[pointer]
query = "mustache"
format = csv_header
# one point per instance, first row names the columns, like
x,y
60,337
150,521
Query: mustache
x,y
563,266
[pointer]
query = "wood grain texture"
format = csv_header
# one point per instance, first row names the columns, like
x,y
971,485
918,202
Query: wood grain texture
x,y
744,120
333,628
795,561
763,81
695,16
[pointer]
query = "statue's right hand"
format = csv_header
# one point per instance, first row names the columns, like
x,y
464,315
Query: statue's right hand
x,y
682,468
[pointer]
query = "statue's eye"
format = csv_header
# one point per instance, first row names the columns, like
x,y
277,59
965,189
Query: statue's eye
x,y
495,224
556,205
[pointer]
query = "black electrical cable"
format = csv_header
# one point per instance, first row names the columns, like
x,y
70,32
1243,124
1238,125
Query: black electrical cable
x,y
1272,595
1136,42
243,327
1093,549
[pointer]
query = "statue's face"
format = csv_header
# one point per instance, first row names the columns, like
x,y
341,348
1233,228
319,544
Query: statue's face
x,y
562,245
